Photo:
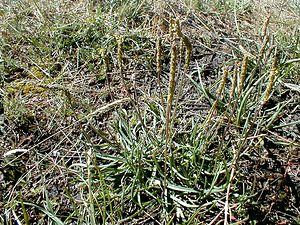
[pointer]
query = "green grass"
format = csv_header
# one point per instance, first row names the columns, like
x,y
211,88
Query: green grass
x,y
88,119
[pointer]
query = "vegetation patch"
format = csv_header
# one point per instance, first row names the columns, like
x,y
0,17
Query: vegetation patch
x,y
149,112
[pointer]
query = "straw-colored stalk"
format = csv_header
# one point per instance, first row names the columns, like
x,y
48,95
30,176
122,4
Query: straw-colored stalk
x,y
243,73
172,29
181,49
158,57
259,57
187,44
171,88
178,28
233,86
262,49
159,54
104,55
188,53
265,26
120,61
212,111
272,76
223,82
184,45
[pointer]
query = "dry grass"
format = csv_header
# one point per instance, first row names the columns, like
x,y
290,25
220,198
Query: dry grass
x,y
108,122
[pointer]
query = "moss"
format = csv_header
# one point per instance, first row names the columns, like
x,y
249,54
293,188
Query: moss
x,y
35,72
31,88
17,100
25,89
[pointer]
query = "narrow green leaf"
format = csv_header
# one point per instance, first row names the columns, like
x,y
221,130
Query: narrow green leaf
x,y
183,203
181,188
51,215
